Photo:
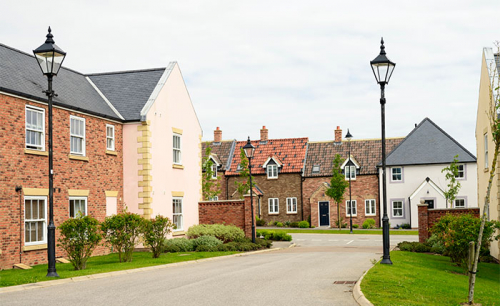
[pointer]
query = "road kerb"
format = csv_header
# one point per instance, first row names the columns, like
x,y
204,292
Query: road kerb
x,y
358,294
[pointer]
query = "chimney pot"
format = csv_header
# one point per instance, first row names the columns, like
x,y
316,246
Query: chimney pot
x,y
217,135
338,134
263,133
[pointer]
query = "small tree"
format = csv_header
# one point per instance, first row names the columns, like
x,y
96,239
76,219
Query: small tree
x,y
122,232
244,186
155,233
79,237
453,185
338,185
210,187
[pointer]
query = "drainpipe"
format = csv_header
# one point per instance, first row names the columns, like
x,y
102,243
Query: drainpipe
x,y
302,197
19,189
227,186
409,210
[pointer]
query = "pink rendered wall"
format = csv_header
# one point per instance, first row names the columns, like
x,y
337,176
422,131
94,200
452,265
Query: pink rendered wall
x,y
131,168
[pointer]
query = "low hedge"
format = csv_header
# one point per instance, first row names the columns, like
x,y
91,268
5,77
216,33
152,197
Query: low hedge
x,y
272,235
225,233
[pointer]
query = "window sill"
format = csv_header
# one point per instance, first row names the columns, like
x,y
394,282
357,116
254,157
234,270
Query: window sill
x,y
78,157
111,152
34,247
291,213
174,166
275,214
178,233
272,178
371,215
354,216
36,152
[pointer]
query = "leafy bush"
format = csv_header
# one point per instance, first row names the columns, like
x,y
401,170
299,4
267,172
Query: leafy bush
x,y
225,248
205,248
179,245
259,222
154,232
303,224
122,232
435,244
294,224
266,244
455,233
413,247
279,224
355,225
369,223
287,223
272,235
208,241
225,233
270,223
405,226
79,237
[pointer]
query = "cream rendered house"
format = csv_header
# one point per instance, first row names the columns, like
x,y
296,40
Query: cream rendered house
x,y
161,142
490,66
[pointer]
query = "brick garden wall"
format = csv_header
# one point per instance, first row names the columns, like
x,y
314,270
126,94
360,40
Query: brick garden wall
x,y
101,172
427,218
363,188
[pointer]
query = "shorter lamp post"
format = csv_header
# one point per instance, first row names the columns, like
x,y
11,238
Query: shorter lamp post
x,y
382,69
50,58
249,151
348,136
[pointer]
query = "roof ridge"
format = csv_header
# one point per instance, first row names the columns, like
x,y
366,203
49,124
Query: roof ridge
x,y
274,139
449,136
126,71
366,139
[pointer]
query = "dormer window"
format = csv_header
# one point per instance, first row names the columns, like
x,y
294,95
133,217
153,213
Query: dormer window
x,y
272,171
350,167
214,171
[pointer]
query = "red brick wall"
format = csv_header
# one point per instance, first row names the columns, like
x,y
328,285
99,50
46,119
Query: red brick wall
x,y
427,218
222,186
287,185
102,172
363,188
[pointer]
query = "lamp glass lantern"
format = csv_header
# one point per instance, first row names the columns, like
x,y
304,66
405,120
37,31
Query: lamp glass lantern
x,y
382,67
249,149
49,56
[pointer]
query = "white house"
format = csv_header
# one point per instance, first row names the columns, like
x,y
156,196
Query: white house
x,y
414,173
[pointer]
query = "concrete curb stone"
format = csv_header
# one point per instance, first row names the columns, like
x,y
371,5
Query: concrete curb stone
x,y
358,295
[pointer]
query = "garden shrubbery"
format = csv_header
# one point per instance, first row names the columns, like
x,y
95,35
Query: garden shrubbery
x,y
304,224
369,223
272,235
122,231
225,233
154,232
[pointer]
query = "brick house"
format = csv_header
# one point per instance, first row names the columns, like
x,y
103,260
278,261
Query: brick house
x,y
365,155
120,139
277,172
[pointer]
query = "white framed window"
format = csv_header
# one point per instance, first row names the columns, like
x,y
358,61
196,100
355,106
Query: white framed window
x,y
291,205
110,137
35,220
350,170
35,128
397,209
459,203
77,135
351,206
486,150
370,209
461,171
177,149
239,168
274,207
177,216
315,169
214,198
77,206
397,174
214,171
272,171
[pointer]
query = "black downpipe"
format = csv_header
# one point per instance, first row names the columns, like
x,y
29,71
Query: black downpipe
x,y
18,189
302,197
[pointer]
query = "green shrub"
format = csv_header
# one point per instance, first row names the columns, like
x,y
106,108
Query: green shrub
x,y
279,224
355,226
455,233
225,233
225,248
183,244
272,235
122,232
208,241
155,232
266,244
304,224
405,226
414,247
287,223
270,223
259,222
171,249
435,244
369,223
294,224
79,237
204,248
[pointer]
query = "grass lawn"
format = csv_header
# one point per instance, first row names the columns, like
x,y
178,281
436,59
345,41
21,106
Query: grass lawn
x,y
425,279
344,231
100,264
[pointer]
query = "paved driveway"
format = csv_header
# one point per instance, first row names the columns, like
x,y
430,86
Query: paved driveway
x,y
303,275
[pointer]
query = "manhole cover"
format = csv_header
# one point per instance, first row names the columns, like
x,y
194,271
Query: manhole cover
x,y
344,282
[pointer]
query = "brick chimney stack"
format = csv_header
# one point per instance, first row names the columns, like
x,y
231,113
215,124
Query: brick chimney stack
x,y
263,133
217,135
338,134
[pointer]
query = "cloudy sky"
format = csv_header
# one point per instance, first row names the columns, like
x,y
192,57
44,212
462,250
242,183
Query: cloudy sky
x,y
301,68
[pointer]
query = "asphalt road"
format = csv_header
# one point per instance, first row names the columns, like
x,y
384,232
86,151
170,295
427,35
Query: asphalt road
x,y
303,275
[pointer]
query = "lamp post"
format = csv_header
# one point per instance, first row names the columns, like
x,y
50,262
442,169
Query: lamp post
x,y
382,69
50,58
348,136
249,151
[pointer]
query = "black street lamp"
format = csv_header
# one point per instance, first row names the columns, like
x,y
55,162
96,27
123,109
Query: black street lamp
x,y
249,151
50,58
382,69
348,136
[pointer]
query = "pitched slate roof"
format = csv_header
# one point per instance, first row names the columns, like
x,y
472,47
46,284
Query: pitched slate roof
x,y
428,144
368,153
223,149
128,91
21,75
290,151
497,60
